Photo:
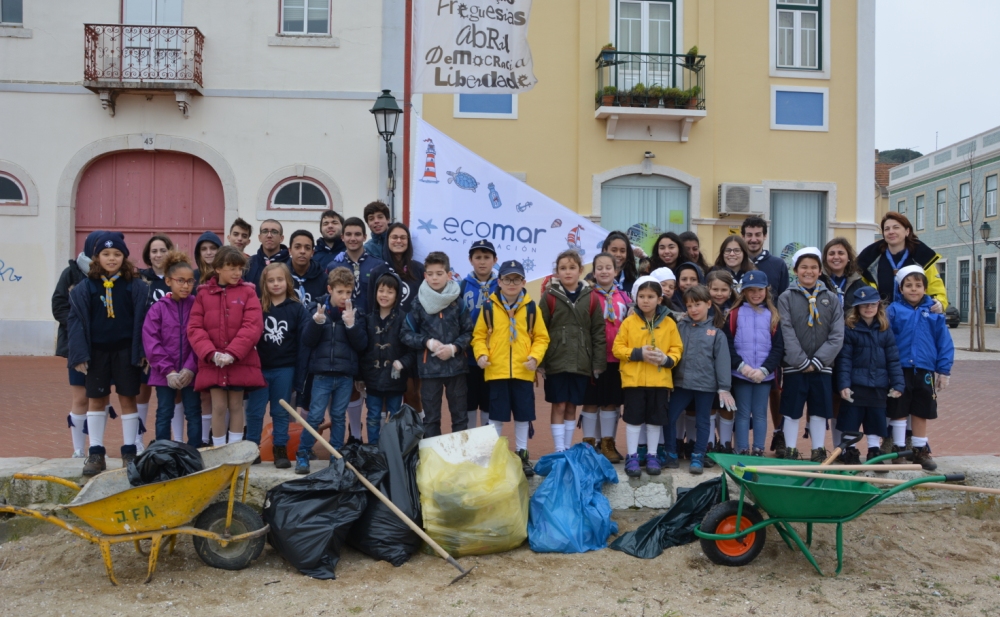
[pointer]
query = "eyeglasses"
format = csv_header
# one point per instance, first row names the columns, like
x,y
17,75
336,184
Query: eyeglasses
x,y
270,232
511,280
183,282
735,251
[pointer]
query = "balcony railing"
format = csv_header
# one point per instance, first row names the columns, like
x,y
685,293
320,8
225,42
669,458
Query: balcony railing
x,y
142,56
665,81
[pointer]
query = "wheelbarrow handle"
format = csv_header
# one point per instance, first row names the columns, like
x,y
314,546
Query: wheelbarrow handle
x,y
53,479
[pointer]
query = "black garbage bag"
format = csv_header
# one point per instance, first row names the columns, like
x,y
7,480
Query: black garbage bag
x,y
674,527
164,460
379,533
310,517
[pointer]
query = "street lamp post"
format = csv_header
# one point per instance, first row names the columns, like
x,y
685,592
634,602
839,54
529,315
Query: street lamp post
x,y
386,113
984,233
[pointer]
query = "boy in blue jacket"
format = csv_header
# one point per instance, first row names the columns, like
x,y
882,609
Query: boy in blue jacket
x,y
926,353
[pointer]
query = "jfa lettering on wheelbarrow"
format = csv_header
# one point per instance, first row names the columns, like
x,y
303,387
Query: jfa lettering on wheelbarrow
x,y
122,516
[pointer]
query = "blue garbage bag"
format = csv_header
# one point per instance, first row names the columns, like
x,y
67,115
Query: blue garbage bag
x,y
568,513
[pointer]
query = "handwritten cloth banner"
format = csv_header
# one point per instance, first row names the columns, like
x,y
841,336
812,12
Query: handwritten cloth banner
x,y
471,47
458,198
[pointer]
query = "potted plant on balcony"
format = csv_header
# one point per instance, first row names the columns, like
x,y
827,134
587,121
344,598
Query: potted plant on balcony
x,y
691,58
639,95
653,95
608,53
671,96
692,96
606,96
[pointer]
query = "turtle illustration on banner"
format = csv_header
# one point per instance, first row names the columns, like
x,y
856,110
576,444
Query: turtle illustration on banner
x,y
462,180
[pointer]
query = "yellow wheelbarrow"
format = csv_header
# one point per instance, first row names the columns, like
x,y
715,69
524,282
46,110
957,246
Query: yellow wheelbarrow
x,y
227,535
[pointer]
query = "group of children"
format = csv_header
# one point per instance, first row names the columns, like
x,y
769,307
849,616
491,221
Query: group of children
x,y
673,353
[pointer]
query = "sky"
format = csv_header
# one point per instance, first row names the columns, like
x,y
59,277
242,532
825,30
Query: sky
x,y
936,69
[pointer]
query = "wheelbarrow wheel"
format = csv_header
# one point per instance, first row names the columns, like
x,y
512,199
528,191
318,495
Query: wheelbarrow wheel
x,y
722,520
235,555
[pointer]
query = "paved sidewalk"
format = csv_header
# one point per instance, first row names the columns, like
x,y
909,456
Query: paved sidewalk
x,y
36,401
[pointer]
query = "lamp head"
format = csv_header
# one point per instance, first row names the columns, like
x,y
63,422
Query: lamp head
x,y
386,113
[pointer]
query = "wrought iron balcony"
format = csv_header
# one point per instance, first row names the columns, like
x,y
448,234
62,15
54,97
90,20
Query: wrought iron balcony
x,y
652,97
124,58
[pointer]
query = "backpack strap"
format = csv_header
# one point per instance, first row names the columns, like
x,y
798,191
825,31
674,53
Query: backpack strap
x,y
550,300
487,312
531,308
733,320
593,302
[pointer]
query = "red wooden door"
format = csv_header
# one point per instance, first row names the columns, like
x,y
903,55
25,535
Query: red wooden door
x,y
143,193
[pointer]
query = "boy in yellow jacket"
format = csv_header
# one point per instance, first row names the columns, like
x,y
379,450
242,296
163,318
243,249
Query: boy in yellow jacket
x,y
648,346
509,342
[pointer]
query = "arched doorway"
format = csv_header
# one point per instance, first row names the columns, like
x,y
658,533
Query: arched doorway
x,y
141,193
644,206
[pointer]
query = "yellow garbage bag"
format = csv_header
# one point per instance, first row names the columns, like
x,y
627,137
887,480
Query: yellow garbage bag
x,y
471,510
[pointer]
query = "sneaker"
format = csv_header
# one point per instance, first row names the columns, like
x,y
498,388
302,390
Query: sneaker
x,y
79,454
302,465
726,448
661,454
922,457
526,467
874,453
707,462
642,452
608,450
900,460
778,444
791,454
670,461
280,455
95,462
850,456
743,453
697,466
652,465
128,455
590,441
632,469
757,452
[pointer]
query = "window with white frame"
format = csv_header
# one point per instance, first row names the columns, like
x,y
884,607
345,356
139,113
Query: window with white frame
x,y
991,195
305,17
11,12
901,206
798,37
488,106
920,212
942,268
942,208
11,191
646,28
963,202
299,194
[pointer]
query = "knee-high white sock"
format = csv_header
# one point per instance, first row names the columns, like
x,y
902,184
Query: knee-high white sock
x,y
618,416
874,441
235,437
206,429
642,434
918,442
143,411
608,419
498,425
899,429
711,428
653,435
130,428
96,421
837,436
589,424
484,418
568,434
520,435
791,430
473,418
218,441
558,430
77,422
726,430
177,422
354,415
632,432
691,427
817,431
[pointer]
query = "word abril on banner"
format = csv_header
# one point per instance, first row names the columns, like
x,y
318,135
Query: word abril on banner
x,y
471,47
458,198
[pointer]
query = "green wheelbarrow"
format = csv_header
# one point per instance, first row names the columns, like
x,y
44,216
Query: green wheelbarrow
x,y
734,531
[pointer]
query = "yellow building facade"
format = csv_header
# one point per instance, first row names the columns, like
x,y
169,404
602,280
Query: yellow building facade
x,y
782,124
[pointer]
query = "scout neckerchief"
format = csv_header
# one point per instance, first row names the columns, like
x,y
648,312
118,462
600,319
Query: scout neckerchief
x,y
609,302
108,286
511,310
811,297
896,265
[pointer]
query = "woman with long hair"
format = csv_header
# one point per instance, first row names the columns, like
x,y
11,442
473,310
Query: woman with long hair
x,y
734,258
668,252
898,248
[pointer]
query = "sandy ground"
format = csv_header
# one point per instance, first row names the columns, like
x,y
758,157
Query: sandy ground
x,y
938,563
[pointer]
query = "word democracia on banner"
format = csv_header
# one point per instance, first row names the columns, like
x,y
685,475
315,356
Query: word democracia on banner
x,y
523,239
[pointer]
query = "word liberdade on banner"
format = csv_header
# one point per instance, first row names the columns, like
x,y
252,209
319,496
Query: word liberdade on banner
x,y
458,198
471,47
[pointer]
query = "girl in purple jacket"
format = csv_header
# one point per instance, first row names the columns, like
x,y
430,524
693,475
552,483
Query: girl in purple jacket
x,y
755,349
172,362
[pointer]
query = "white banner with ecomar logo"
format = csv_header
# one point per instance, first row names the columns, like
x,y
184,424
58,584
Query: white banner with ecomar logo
x,y
471,47
457,198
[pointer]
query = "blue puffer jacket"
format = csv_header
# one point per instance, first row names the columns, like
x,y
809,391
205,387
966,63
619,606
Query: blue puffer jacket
x,y
335,347
921,336
78,322
869,358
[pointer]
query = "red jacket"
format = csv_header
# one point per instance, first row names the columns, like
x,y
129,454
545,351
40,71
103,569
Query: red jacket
x,y
228,320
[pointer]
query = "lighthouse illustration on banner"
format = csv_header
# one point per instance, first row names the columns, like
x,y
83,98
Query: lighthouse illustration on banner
x,y
430,170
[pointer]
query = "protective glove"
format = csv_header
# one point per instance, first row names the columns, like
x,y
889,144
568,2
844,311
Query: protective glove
x,y
652,355
747,371
757,375
895,394
82,367
446,352
174,381
942,382
349,313
937,307
320,316
727,400
222,359
597,374
433,345
397,368
187,376
531,364
483,362
848,395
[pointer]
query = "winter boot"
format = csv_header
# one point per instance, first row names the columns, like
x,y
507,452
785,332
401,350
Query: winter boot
x,y
280,455
670,461
302,464
643,450
778,444
608,450
791,454
758,452
128,455
900,460
922,457
661,454
679,448
652,465
632,469
590,441
526,467
850,456
95,462
697,464
818,455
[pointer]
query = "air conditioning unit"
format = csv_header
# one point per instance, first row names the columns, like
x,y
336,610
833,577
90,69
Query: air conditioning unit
x,y
741,199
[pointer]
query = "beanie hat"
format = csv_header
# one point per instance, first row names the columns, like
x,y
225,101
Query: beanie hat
x,y
111,240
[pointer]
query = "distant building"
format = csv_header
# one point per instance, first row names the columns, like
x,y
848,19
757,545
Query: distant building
x,y
947,195
882,187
